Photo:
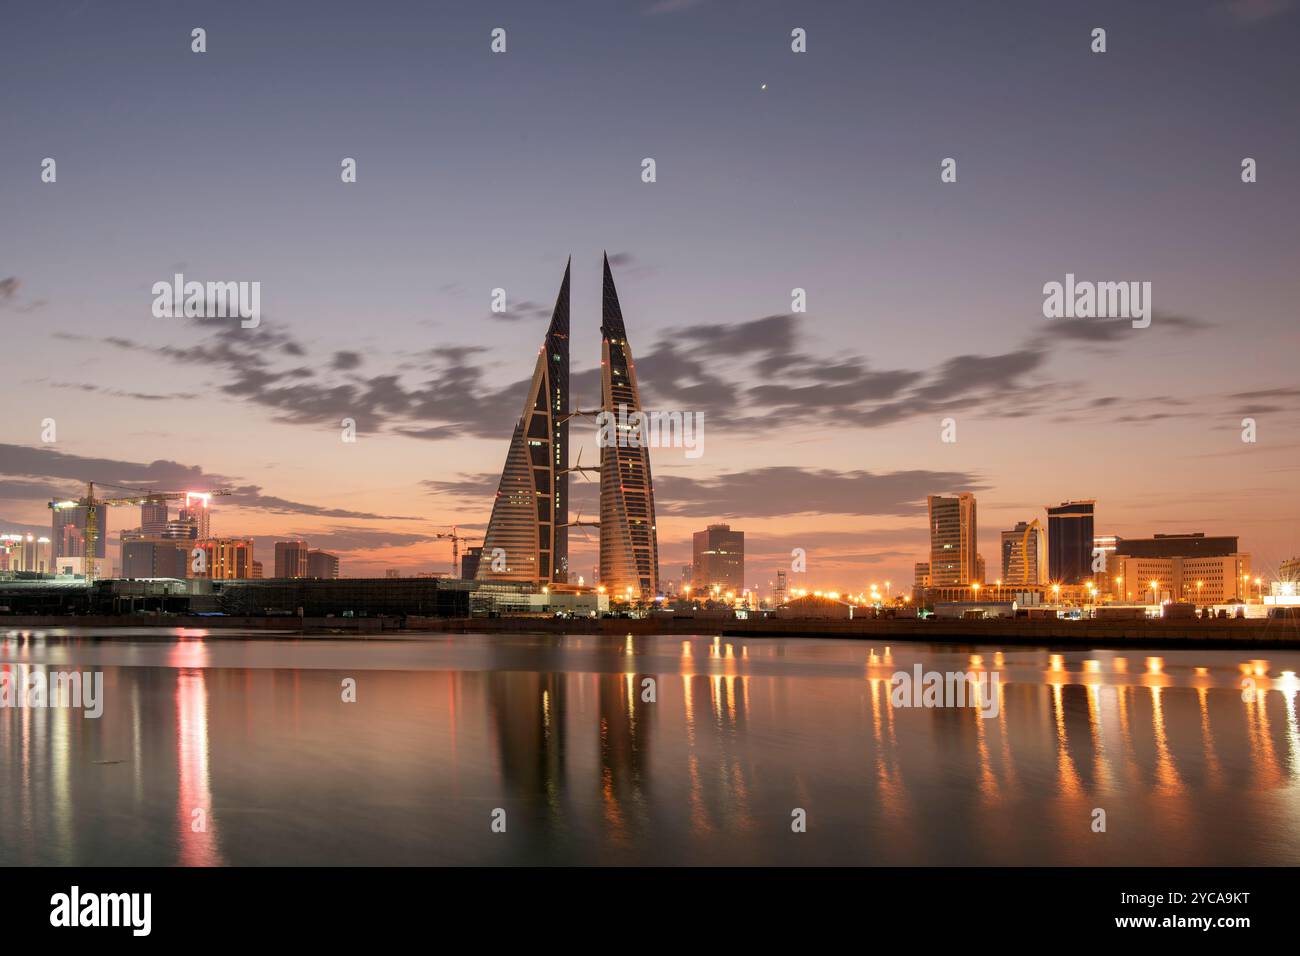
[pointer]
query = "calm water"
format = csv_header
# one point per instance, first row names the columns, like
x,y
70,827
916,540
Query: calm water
x,y
446,729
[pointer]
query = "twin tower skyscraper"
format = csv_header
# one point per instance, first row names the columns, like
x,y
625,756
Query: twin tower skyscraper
x,y
527,539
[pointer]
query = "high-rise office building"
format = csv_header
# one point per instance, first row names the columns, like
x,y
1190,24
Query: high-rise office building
x,y
153,517
291,559
629,543
152,557
1024,554
469,562
953,540
1070,542
197,512
68,533
227,558
322,564
528,531
719,556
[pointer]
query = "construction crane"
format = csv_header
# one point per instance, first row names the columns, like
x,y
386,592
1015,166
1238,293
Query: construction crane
x,y
92,504
456,539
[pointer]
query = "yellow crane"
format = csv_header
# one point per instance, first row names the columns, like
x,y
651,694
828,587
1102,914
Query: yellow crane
x,y
456,539
93,503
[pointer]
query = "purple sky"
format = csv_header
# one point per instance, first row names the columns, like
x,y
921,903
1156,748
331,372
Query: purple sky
x,y
478,171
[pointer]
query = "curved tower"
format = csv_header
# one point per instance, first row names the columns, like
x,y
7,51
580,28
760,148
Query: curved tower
x,y
629,546
527,537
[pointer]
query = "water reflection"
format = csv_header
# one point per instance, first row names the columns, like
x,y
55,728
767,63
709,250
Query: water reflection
x,y
644,750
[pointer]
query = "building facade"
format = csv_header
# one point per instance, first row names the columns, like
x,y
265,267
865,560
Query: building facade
x,y
1024,554
153,517
291,559
1070,542
527,538
322,564
68,533
953,540
719,559
629,543
226,559
1179,567
25,552
152,557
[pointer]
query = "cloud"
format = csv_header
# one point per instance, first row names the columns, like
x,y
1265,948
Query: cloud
x,y
347,539
787,490
35,473
9,297
745,377
767,492
527,309
1112,331
122,393
17,527
660,7
346,361
1257,11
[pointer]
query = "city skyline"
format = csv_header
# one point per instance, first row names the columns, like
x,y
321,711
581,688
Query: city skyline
x,y
824,427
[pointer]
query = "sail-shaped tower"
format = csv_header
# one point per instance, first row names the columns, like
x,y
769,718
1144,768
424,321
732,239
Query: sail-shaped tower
x,y
629,546
527,538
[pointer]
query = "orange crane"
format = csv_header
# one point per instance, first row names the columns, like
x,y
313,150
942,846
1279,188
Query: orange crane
x,y
92,504
456,539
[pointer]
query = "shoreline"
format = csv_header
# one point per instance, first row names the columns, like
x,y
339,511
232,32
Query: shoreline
x,y
1224,635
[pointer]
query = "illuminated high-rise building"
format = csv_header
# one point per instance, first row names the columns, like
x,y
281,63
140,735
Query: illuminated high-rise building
x,y
1070,542
1024,554
153,517
629,546
226,558
197,512
954,560
68,537
527,537
719,558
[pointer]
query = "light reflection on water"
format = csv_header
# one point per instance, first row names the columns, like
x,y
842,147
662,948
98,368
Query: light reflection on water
x,y
221,749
